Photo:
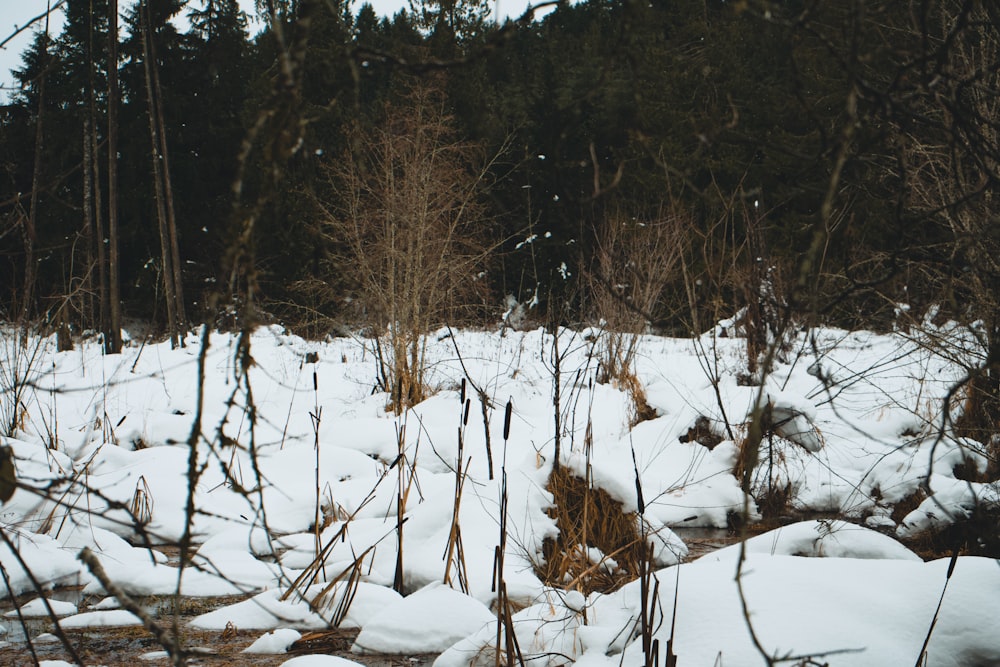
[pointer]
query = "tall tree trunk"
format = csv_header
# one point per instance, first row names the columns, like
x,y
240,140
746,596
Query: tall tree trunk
x,y
167,271
91,205
99,247
29,228
84,282
113,337
168,189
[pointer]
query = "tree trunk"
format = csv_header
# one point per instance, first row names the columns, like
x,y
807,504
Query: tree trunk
x,y
756,321
100,247
84,282
113,336
91,233
168,189
167,271
29,228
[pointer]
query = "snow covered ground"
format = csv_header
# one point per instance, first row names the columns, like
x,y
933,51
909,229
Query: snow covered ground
x,y
103,461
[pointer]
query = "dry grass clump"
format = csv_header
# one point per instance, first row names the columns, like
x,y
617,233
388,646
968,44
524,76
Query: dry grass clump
x,y
327,642
907,505
625,380
759,465
773,499
703,433
746,458
589,519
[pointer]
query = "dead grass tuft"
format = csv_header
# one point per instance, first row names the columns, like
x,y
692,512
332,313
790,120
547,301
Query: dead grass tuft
x,y
746,457
773,499
326,642
763,472
141,505
907,505
589,518
617,356
968,471
641,410
702,433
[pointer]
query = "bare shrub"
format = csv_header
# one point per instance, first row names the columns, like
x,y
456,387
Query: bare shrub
x,y
407,220
634,262
19,359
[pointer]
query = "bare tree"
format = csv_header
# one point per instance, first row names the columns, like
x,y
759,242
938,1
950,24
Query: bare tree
x,y
950,154
93,229
410,225
634,261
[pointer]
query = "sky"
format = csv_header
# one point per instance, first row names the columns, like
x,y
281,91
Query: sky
x,y
16,13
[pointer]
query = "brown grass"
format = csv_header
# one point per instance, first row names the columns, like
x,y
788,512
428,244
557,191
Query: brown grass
x,y
588,517
907,505
616,366
773,499
702,433
746,457
641,410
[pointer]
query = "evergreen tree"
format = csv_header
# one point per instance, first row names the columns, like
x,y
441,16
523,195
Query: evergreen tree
x,y
449,22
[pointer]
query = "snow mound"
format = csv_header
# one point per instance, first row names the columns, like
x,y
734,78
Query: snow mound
x,y
101,619
792,418
49,564
953,501
267,611
276,641
819,539
428,621
320,661
838,611
37,608
545,631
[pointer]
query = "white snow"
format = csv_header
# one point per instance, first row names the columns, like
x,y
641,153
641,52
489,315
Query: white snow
x,y
276,641
37,608
819,539
855,422
101,619
154,655
427,621
320,661
309,611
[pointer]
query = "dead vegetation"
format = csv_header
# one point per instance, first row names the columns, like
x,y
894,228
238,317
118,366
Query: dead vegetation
x,y
405,219
634,260
703,433
599,545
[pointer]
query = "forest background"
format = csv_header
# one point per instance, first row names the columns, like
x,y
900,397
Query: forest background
x,y
832,160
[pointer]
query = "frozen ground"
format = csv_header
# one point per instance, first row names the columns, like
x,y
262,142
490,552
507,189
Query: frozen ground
x,y
103,455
